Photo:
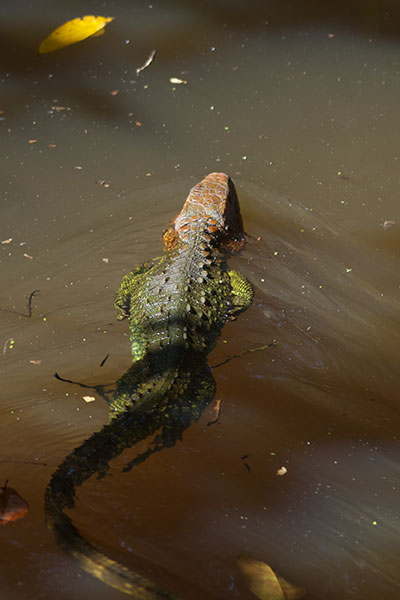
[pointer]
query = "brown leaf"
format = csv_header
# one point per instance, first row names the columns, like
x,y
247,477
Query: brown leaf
x,y
12,506
265,584
291,591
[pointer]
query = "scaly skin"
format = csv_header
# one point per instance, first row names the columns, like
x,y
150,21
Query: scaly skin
x,y
176,305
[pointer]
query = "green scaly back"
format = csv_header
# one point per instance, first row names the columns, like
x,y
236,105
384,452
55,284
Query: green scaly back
x,y
176,306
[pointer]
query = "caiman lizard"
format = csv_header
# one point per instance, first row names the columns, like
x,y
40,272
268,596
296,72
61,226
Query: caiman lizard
x,y
176,306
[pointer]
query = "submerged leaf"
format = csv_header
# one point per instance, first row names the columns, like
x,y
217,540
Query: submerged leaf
x,y
73,31
12,506
265,584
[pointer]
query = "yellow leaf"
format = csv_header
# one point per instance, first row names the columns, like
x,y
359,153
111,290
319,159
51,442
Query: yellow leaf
x,y
265,584
73,31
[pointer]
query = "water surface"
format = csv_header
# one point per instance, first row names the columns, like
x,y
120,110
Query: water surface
x,y
299,104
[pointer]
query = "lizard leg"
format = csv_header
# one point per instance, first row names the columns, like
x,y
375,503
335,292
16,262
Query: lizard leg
x,y
129,283
242,293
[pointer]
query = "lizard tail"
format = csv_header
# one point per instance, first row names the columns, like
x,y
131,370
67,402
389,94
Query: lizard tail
x,y
134,424
93,456
95,562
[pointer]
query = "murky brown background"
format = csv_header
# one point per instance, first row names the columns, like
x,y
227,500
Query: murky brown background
x,y
299,103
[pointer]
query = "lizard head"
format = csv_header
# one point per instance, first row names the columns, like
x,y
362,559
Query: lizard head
x,y
213,209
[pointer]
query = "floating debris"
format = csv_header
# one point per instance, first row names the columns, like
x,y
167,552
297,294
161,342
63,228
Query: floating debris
x,y
89,398
31,297
104,359
11,346
60,108
147,63
74,31
103,182
386,225
177,81
217,409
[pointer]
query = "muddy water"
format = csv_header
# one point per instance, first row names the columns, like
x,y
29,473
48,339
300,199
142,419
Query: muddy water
x,y
299,104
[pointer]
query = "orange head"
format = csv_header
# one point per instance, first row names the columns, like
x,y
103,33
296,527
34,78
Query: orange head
x,y
213,208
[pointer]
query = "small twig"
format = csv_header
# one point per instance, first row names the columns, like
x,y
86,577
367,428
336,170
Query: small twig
x,y
99,389
246,464
104,359
273,344
14,312
57,376
147,63
32,295
5,345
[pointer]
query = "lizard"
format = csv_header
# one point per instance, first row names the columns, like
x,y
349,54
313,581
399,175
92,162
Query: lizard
x,y
176,306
